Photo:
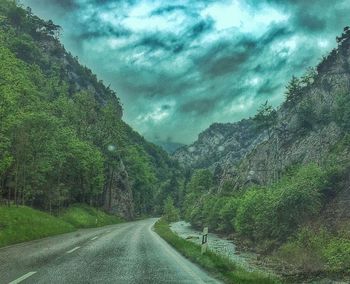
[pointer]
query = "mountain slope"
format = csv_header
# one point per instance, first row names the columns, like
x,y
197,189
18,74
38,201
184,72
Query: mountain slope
x,y
220,145
62,137
305,129
285,194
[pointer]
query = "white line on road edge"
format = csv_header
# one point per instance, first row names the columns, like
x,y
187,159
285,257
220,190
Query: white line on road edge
x,y
24,277
70,251
94,238
172,252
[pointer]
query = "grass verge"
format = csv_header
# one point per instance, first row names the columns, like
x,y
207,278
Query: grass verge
x,y
22,223
83,216
217,265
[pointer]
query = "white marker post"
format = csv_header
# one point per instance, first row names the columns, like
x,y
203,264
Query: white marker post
x,y
205,240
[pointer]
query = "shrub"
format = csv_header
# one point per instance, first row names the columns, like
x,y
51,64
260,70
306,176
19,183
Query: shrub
x,y
337,254
276,212
227,214
317,250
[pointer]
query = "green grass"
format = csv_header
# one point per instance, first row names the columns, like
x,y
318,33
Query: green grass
x,y
22,223
83,216
219,266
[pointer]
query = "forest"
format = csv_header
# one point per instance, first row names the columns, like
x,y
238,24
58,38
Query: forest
x,y
61,132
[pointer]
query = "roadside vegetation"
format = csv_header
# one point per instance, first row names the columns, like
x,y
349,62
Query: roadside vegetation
x,y
22,223
83,216
217,265
282,220
62,137
290,219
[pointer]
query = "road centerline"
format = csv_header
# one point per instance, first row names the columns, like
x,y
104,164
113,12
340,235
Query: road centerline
x,y
74,249
22,278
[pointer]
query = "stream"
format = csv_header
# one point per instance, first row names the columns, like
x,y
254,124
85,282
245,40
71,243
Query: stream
x,y
219,245
222,246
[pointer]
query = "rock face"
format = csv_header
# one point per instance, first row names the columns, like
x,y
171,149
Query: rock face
x,y
305,132
221,145
117,194
294,140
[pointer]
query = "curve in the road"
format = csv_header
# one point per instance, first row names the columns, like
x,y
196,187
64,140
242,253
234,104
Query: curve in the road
x,y
124,253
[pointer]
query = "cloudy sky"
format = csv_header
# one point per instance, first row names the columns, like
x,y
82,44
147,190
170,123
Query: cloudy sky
x,y
180,65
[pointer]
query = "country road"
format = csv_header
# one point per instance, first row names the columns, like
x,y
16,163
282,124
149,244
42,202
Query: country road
x,y
124,253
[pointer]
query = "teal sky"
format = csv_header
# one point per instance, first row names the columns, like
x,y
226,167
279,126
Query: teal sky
x,y
179,66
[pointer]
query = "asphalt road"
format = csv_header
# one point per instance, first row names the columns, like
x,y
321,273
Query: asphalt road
x,y
123,253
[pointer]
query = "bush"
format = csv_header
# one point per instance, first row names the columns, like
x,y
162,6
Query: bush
x,y
305,250
337,254
276,212
315,250
227,215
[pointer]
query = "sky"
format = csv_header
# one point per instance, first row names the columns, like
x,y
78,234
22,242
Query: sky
x,y
178,66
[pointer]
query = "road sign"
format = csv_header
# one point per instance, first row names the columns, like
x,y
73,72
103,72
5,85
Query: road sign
x,y
205,240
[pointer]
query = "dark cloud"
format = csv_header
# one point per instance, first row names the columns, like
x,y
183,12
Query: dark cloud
x,y
179,67
166,107
104,31
268,87
65,4
199,107
167,42
200,28
310,22
168,9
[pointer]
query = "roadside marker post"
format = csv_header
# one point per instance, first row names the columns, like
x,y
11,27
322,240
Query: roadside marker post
x,y
205,240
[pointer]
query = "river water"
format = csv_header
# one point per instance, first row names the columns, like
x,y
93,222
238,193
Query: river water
x,y
219,245
225,247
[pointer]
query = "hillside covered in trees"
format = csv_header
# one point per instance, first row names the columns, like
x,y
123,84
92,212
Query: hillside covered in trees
x,y
62,137
278,183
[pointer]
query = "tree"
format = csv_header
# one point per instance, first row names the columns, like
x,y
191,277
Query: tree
x,y
309,77
266,118
52,29
293,91
171,214
16,16
345,35
199,185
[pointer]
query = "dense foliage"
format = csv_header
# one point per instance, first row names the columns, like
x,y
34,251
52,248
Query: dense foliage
x,y
61,129
259,213
170,213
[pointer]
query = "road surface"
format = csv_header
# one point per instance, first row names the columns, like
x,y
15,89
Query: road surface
x,y
124,253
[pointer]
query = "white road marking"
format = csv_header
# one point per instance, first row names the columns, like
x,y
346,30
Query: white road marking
x,y
22,278
70,251
94,238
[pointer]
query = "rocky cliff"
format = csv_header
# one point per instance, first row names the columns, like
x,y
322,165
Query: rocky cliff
x,y
221,145
117,193
304,131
